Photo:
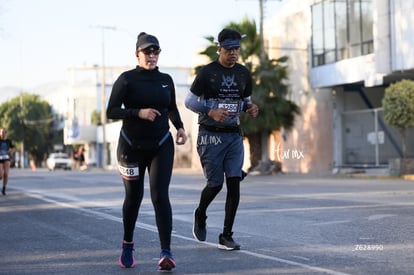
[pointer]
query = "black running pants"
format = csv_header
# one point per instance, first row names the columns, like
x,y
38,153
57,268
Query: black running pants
x,y
159,164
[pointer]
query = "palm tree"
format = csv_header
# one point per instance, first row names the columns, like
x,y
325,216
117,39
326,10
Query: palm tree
x,y
276,112
269,89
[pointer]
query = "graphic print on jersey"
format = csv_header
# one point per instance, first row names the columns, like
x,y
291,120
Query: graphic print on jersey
x,y
228,81
229,95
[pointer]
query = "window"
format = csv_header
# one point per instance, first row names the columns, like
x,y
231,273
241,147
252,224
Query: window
x,y
329,31
366,27
341,29
317,35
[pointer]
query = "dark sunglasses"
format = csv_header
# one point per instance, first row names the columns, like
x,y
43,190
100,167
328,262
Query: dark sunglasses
x,y
150,51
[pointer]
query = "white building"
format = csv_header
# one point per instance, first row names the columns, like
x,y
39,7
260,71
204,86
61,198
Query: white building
x,y
342,55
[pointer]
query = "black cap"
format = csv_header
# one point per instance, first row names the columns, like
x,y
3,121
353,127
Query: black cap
x,y
145,40
230,43
229,38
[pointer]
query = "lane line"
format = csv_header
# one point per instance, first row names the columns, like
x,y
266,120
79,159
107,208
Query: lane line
x,y
153,229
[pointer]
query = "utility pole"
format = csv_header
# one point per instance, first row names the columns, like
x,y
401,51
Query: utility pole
x,y
265,138
22,121
261,35
103,93
261,32
263,56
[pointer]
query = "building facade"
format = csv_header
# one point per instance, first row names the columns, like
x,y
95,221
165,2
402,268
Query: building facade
x,y
342,54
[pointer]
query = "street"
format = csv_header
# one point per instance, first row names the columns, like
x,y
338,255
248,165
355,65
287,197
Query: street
x,y
70,222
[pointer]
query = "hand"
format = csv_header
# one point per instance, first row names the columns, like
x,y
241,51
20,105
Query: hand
x,y
252,109
219,115
148,114
181,137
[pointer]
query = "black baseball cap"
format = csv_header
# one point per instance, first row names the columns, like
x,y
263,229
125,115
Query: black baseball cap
x,y
145,40
229,38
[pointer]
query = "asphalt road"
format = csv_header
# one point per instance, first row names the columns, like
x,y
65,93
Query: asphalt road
x,y
69,222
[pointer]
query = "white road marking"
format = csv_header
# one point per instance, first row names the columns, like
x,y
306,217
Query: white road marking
x,y
152,228
379,217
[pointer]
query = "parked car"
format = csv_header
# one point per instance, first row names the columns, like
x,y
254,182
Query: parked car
x,y
59,161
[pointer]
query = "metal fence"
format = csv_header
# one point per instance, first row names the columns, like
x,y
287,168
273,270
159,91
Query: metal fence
x,y
369,141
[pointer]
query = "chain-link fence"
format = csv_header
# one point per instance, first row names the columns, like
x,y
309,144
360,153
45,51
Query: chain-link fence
x,y
369,141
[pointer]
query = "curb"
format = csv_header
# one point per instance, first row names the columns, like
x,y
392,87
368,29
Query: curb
x,y
408,177
368,176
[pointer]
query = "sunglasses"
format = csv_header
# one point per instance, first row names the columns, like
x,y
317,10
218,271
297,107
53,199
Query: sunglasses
x,y
150,51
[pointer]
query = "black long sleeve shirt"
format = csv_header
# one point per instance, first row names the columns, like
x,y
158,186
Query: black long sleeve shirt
x,y
138,89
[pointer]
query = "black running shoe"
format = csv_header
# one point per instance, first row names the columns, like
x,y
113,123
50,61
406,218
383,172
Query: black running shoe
x,y
3,191
226,242
126,260
166,262
199,227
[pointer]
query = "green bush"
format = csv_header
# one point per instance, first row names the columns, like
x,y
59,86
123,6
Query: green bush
x,y
398,105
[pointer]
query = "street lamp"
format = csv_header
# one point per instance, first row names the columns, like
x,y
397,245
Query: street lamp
x,y
103,92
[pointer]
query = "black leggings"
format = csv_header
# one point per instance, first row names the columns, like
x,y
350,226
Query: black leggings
x,y
232,201
159,164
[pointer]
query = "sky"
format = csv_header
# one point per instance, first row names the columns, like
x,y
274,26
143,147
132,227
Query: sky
x,y
41,39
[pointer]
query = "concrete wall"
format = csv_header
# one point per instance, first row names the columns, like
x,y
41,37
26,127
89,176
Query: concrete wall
x,y
308,147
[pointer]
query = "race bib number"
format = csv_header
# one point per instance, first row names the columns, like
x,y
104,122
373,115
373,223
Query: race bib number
x,y
129,171
232,107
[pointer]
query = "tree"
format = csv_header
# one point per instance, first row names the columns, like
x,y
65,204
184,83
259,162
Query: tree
x,y
269,89
398,104
96,118
276,112
29,119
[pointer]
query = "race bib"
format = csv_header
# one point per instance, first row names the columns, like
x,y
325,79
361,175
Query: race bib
x,y
129,171
232,107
